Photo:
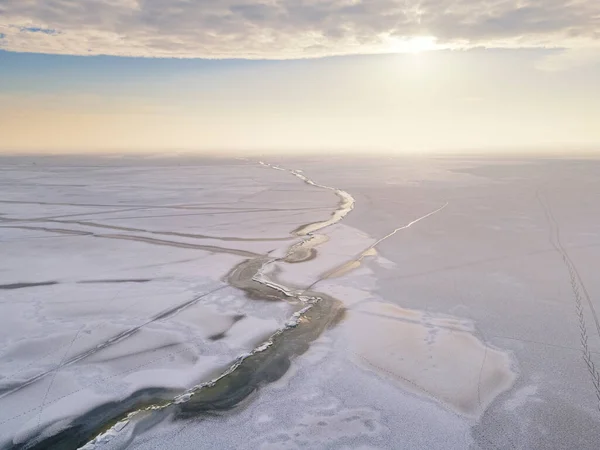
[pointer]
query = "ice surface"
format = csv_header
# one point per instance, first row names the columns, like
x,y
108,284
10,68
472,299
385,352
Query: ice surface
x,y
473,328
111,279
437,357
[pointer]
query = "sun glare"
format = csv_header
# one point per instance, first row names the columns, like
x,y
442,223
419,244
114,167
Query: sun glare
x,y
415,44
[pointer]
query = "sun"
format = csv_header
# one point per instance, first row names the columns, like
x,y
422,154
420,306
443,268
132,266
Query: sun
x,y
414,44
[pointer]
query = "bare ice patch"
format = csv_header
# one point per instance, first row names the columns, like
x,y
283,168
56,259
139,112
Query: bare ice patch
x,y
438,357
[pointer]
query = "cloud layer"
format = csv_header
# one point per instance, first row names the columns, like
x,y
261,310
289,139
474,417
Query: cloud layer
x,y
288,28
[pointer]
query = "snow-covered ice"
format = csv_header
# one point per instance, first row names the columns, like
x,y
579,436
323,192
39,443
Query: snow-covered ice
x,y
474,327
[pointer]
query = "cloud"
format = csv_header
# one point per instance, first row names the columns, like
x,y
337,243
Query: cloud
x,y
569,59
288,28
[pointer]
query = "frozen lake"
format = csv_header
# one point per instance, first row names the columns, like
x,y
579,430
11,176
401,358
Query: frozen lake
x,y
418,303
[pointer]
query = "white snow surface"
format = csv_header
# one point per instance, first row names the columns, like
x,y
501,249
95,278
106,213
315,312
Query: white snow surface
x,y
471,329
75,229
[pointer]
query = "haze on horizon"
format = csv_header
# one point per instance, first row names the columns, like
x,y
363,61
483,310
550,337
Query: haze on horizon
x,y
297,76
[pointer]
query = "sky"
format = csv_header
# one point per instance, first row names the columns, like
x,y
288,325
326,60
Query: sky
x,y
303,76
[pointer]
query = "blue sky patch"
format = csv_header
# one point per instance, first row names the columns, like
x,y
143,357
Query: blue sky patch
x,y
39,30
